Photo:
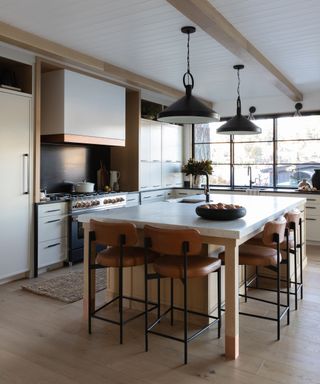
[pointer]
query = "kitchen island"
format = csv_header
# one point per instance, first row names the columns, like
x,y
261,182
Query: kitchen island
x,y
230,234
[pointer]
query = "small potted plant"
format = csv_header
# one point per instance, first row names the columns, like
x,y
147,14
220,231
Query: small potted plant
x,y
195,168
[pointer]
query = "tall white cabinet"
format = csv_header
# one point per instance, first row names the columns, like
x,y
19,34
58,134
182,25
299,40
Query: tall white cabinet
x,y
160,155
15,171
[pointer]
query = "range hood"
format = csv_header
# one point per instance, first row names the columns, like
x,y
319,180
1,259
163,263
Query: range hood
x,y
80,109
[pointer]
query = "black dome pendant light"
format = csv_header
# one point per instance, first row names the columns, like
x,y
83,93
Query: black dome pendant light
x,y
239,125
188,109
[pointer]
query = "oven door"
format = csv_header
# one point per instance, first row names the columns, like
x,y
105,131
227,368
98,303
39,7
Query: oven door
x,y
76,233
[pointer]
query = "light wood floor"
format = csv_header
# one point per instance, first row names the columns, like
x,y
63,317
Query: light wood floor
x,y
44,341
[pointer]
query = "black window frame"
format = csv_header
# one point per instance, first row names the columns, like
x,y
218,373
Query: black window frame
x,y
275,141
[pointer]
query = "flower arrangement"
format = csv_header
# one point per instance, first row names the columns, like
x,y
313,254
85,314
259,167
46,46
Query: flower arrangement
x,y
195,167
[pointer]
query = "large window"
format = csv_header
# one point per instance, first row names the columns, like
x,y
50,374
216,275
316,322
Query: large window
x,y
286,152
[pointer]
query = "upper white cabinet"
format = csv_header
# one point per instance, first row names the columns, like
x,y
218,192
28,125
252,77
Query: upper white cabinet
x,y
82,108
160,155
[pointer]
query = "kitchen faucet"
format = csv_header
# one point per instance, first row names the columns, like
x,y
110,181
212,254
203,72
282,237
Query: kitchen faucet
x,y
207,187
250,177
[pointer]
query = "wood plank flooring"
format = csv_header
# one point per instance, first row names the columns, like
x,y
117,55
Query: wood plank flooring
x,y
44,341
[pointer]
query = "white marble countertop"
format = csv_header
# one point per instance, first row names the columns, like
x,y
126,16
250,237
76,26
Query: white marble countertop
x,y
260,209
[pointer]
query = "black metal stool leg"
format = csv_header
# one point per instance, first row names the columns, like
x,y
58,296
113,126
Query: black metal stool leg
x,y
219,301
121,290
171,301
245,284
146,300
278,290
158,289
295,268
301,258
89,299
185,304
288,277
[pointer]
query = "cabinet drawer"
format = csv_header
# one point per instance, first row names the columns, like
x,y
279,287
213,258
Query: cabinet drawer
x,y
312,209
54,209
151,197
53,251
52,227
312,228
132,200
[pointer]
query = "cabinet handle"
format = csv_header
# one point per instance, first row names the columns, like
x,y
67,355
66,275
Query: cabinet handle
x,y
156,161
182,194
159,195
132,199
311,199
52,221
168,185
311,207
146,197
144,186
155,186
26,174
144,161
53,245
169,161
53,210
311,219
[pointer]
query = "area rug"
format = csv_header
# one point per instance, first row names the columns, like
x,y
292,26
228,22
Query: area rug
x,y
67,287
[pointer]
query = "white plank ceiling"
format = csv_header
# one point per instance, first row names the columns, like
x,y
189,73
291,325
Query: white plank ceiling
x,y
144,37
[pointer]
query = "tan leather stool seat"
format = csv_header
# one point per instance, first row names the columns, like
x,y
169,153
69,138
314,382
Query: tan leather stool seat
x,y
255,255
133,256
257,240
198,266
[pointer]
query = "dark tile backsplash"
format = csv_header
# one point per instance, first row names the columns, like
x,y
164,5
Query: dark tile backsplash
x,y
61,163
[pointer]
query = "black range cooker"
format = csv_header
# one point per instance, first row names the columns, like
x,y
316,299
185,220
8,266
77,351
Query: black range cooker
x,y
80,204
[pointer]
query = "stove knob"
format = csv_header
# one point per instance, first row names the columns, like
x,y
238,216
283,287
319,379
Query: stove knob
x,y
88,204
114,201
121,199
105,201
92,203
83,204
110,201
97,202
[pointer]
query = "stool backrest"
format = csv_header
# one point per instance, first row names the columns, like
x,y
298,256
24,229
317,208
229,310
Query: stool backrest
x,y
272,228
293,217
170,241
109,233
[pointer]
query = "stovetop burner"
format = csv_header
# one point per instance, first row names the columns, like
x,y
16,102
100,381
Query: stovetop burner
x,y
72,196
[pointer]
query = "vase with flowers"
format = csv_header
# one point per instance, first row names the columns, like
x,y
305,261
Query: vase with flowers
x,y
195,168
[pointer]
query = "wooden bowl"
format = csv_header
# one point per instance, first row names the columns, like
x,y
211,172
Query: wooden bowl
x,y
220,214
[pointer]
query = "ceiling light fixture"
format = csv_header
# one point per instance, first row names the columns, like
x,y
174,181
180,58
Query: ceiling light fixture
x,y
252,110
298,107
188,109
239,125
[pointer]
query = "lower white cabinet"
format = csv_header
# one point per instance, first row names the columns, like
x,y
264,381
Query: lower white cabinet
x,y
152,196
313,218
132,200
51,234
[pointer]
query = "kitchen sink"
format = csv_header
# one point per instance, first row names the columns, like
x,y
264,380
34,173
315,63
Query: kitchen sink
x,y
191,201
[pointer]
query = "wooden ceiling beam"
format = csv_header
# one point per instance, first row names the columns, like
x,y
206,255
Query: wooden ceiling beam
x,y
50,50
203,14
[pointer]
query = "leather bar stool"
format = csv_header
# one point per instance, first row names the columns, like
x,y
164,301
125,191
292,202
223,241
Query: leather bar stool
x,y
115,246
294,227
294,223
180,258
267,255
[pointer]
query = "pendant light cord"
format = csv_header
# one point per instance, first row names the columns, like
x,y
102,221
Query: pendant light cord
x,y
189,84
238,92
